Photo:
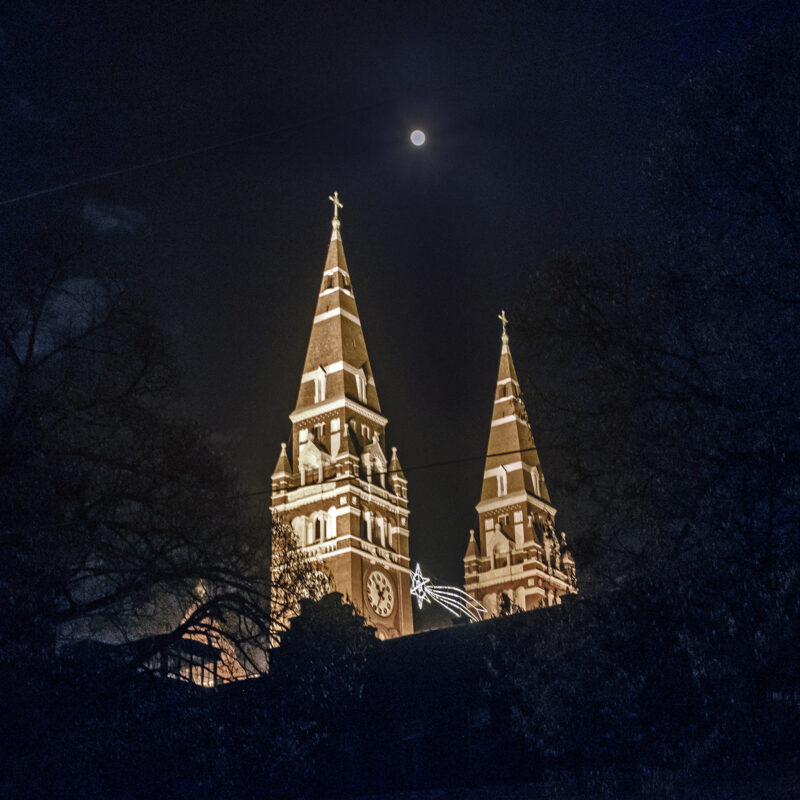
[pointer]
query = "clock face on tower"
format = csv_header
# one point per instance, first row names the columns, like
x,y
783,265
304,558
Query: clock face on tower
x,y
380,593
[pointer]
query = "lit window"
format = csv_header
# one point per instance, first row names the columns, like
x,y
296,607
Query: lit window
x,y
489,524
303,435
335,424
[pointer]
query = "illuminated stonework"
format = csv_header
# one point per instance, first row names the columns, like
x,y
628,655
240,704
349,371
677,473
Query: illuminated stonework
x,y
344,497
519,562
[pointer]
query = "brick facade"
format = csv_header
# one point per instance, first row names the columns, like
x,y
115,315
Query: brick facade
x,y
518,553
345,498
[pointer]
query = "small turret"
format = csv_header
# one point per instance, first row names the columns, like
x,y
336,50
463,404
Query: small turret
x,y
397,478
472,547
283,470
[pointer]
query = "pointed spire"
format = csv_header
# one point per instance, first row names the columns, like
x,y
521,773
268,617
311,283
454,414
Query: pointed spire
x,y
510,437
337,364
395,470
472,546
282,467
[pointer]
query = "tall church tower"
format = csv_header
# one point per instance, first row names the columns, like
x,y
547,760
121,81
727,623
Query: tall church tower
x,y
344,497
518,562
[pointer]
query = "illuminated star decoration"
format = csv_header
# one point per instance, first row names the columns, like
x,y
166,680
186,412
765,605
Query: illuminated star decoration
x,y
455,600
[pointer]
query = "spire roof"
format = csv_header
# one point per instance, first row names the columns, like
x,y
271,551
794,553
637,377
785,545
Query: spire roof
x,y
282,467
336,364
472,546
512,461
394,465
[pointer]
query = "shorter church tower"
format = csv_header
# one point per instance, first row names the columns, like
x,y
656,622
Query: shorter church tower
x,y
518,562
343,495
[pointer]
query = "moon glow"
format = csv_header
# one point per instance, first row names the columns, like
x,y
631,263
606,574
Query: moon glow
x,y
417,138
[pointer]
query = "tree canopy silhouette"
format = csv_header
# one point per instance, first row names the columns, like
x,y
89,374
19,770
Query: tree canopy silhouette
x,y
120,521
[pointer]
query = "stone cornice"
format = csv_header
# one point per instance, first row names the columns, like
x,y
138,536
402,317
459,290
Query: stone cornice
x,y
334,403
496,503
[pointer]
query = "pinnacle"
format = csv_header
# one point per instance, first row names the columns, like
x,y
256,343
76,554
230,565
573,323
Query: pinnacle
x,y
282,465
472,546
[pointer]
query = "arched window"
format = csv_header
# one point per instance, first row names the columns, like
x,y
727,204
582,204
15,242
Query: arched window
x,y
308,530
500,556
368,526
502,482
380,529
361,386
319,385
535,478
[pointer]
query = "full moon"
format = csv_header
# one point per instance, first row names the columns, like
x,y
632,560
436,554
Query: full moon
x,y
417,138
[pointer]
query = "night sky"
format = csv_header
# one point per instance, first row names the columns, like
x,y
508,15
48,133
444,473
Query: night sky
x,y
539,117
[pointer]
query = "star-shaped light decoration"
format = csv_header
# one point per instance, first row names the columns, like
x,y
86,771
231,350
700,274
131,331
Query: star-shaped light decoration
x,y
455,600
418,586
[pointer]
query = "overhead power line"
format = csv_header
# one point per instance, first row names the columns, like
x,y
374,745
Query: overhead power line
x,y
261,492
430,465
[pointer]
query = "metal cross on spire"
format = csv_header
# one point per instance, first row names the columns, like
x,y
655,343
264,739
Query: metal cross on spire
x,y
334,198
502,317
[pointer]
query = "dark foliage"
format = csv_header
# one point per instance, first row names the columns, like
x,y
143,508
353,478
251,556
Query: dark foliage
x,y
668,367
119,520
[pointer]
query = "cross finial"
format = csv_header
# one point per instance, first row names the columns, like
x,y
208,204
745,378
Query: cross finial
x,y
502,317
334,198
336,204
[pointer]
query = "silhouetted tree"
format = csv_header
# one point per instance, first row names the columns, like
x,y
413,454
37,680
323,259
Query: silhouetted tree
x,y
669,379
118,520
318,677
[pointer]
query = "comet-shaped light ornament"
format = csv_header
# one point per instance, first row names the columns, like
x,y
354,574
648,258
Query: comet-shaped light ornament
x,y
455,600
